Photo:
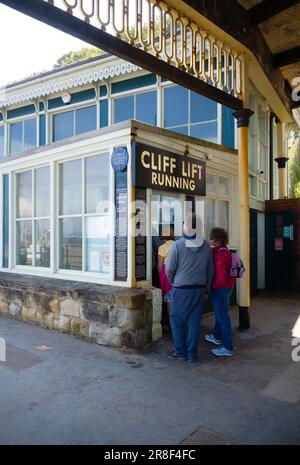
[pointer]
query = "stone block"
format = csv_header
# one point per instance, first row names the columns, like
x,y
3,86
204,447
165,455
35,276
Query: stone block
x,y
105,335
28,314
49,320
80,328
95,311
129,300
70,308
15,309
63,324
40,316
54,305
137,339
129,319
156,331
4,307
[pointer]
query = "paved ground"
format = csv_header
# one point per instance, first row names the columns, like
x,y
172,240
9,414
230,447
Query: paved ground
x,y
81,393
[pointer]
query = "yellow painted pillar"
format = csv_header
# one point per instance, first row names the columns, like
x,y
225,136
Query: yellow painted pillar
x,y
242,117
282,177
282,161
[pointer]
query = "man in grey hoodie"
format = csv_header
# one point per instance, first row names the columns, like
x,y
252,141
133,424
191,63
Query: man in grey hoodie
x,y
190,271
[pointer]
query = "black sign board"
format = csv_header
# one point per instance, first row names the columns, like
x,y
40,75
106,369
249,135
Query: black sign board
x,y
141,233
121,242
162,170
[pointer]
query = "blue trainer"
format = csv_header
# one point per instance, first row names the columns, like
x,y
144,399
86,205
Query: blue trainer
x,y
211,338
222,352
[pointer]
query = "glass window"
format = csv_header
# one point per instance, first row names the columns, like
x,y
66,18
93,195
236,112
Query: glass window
x,y
24,243
202,108
206,131
224,185
146,105
1,141
98,244
252,158
16,138
42,192
175,106
24,195
224,214
71,243
70,183
97,184
63,125
209,216
181,130
211,183
27,252
29,134
253,186
42,243
86,120
123,109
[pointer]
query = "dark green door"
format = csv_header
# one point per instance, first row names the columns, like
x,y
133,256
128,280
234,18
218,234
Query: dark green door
x,y
253,251
280,251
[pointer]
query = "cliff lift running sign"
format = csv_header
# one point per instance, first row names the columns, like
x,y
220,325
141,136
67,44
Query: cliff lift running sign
x,y
161,170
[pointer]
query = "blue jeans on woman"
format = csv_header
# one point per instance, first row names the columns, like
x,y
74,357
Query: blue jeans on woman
x,y
220,300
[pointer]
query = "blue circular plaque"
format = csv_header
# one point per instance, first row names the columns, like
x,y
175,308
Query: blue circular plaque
x,y
119,158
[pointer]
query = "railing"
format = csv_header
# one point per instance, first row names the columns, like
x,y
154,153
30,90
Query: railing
x,y
167,34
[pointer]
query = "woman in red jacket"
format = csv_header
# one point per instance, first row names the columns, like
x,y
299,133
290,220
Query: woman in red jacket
x,y
221,290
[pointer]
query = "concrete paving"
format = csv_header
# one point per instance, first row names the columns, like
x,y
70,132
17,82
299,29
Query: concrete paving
x,y
76,392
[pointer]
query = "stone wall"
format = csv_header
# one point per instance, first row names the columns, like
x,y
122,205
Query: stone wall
x,y
108,315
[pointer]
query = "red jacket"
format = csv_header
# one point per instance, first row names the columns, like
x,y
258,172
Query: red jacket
x,y
222,264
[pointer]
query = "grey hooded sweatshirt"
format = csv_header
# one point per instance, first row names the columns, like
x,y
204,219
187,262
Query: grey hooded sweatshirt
x,y
190,264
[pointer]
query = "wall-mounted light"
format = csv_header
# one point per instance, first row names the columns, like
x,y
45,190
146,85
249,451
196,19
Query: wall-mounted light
x,y
66,98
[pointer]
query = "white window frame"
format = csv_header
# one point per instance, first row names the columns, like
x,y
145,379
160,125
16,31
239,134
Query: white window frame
x,y
133,93
189,124
33,218
21,120
72,107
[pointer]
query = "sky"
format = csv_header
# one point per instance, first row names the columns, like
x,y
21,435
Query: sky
x,y
29,45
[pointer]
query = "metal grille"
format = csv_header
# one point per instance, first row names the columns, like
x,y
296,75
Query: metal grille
x,y
207,437
18,360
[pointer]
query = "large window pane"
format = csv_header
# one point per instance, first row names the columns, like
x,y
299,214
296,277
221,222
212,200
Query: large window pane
x,y
253,186
1,141
97,184
24,195
16,137
63,125
146,107
123,109
42,192
206,131
224,214
211,183
24,243
86,120
29,134
224,185
71,243
202,108
209,216
70,188
175,106
97,244
42,243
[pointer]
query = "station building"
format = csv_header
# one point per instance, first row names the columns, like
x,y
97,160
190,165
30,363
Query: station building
x,y
78,145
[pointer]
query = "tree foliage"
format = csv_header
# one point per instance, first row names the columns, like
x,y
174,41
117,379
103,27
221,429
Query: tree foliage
x,y
75,56
294,169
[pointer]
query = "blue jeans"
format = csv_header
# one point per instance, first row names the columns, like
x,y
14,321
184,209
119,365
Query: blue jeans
x,y
220,300
186,310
